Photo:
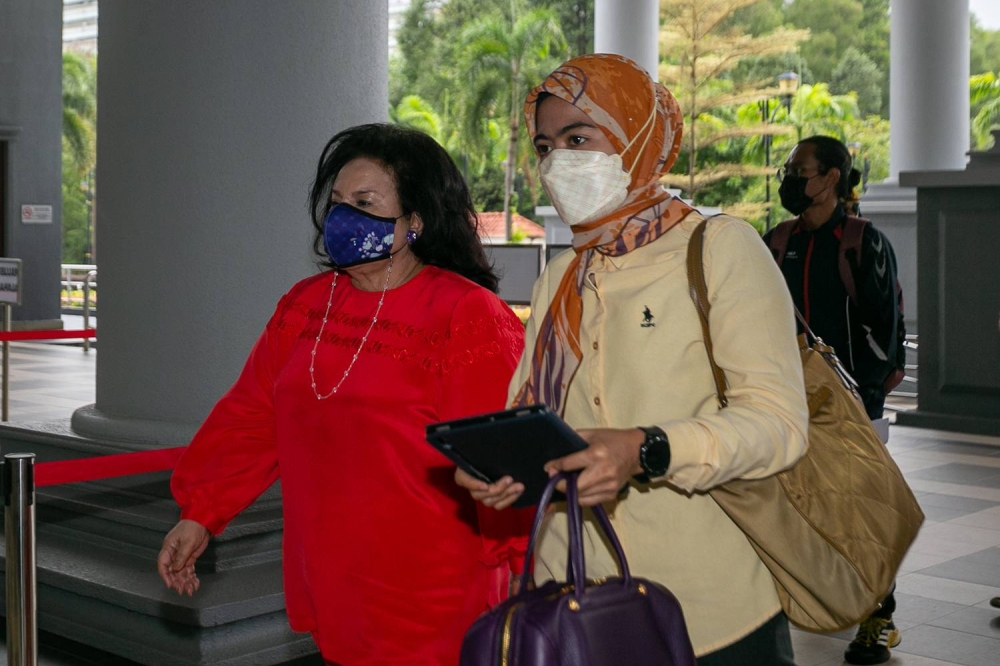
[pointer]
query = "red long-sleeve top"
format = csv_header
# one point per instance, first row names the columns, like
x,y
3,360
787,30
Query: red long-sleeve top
x,y
386,560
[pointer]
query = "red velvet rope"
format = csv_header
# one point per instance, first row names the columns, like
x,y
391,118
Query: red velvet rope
x,y
102,467
49,334
106,467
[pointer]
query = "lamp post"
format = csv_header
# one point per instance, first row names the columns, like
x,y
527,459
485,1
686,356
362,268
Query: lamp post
x,y
788,83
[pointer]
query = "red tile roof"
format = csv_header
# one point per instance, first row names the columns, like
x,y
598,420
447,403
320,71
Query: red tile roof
x,y
491,225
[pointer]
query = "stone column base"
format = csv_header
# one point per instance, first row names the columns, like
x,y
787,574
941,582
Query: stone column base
x,y
96,558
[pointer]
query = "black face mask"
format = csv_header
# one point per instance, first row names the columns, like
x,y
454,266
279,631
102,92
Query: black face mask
x,y
793,194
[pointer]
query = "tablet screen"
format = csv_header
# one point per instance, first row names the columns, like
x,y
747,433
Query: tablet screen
x,y
514,442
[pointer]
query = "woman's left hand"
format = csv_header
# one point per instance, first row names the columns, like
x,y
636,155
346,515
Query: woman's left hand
x,y
605,466
499,495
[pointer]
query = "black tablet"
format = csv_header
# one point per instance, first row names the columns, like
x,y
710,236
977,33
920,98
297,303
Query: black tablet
x,y
515,442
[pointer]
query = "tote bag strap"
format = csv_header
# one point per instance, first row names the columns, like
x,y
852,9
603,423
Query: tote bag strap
x,y
699,294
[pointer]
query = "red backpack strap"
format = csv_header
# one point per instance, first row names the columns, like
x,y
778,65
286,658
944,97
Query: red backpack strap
x,y
779,240
850,242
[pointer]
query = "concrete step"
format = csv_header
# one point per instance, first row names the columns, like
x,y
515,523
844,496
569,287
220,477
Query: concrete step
x,y
97,582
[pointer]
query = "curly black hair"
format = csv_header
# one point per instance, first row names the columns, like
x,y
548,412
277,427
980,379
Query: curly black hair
x,y
427,182
833,154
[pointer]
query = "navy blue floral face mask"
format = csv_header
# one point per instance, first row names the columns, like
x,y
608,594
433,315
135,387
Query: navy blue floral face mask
x,y
352,236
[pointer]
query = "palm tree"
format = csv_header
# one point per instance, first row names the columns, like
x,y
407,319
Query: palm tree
x,y
815,110
984,92
79,83
502,59
79,112
416,113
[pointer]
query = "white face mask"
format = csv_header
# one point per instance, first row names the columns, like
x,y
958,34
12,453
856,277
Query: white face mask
x,y
585,185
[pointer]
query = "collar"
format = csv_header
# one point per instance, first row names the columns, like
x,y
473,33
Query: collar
x,y
835,222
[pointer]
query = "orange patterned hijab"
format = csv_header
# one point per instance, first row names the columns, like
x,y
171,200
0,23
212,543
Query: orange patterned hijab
x,y
618,95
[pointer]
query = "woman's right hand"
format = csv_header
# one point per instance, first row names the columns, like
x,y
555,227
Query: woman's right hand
x,y
499,495
181,548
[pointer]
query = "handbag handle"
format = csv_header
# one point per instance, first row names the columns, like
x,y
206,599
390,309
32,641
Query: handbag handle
x,y
576,569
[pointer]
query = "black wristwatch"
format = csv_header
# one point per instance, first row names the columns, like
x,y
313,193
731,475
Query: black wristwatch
x,y
654,454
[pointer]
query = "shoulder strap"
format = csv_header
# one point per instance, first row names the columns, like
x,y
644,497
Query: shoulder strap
x,y
698,289
854,233
699,294
779,240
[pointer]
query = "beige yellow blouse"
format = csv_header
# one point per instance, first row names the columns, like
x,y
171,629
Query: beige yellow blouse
x,y
645,364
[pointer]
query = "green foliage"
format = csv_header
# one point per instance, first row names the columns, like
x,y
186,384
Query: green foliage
x,y
834,25
984,54
461,75
872,133
486,188
79,84
859,74
759,18
576,17
79,99
501,60
874,43
984,91
703,48
466,100
75,212
815,110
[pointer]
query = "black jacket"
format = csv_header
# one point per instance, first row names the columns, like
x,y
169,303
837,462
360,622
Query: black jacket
x,y
865,335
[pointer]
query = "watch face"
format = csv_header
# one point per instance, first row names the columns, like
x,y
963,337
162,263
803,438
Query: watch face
x,y
657,457
655,453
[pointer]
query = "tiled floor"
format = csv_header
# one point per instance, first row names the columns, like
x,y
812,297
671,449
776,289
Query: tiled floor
x,y
953,569
945,583
49,381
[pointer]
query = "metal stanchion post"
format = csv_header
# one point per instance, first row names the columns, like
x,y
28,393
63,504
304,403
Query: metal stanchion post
x,y
19,524
6,366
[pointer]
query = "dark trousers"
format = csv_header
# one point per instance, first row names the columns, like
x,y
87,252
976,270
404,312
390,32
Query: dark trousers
x,y
874,399
888,605
770,645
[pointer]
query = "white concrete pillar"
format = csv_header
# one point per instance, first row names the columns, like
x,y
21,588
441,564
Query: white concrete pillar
x,y
212,118
630,28
928,85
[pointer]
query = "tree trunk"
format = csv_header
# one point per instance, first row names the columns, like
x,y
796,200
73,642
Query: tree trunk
x,y
511,165
693,152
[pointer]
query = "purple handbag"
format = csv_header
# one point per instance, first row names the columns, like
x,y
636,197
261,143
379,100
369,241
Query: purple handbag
x,y
608,622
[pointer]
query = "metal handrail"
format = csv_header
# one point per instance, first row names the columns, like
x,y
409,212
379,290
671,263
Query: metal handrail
x,y
68,283
91,276
910,343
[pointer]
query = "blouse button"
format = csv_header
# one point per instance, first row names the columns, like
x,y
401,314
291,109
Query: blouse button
x,y
595,345
597,401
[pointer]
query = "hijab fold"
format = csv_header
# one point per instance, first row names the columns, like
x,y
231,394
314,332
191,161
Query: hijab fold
x,y
619,96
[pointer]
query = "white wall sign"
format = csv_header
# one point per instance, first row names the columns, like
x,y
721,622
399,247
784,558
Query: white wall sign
x,y
36,214
10,281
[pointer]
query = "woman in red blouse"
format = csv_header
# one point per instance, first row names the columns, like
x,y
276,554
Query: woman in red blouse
x,y
386,561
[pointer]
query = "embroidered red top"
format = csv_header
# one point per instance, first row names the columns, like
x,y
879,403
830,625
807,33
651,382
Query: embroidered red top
x,y
386,560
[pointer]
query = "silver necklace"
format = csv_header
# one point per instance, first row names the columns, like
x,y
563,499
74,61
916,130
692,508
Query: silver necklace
x,y
364,339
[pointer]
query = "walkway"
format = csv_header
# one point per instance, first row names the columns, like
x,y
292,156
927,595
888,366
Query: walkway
x,y
943,589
